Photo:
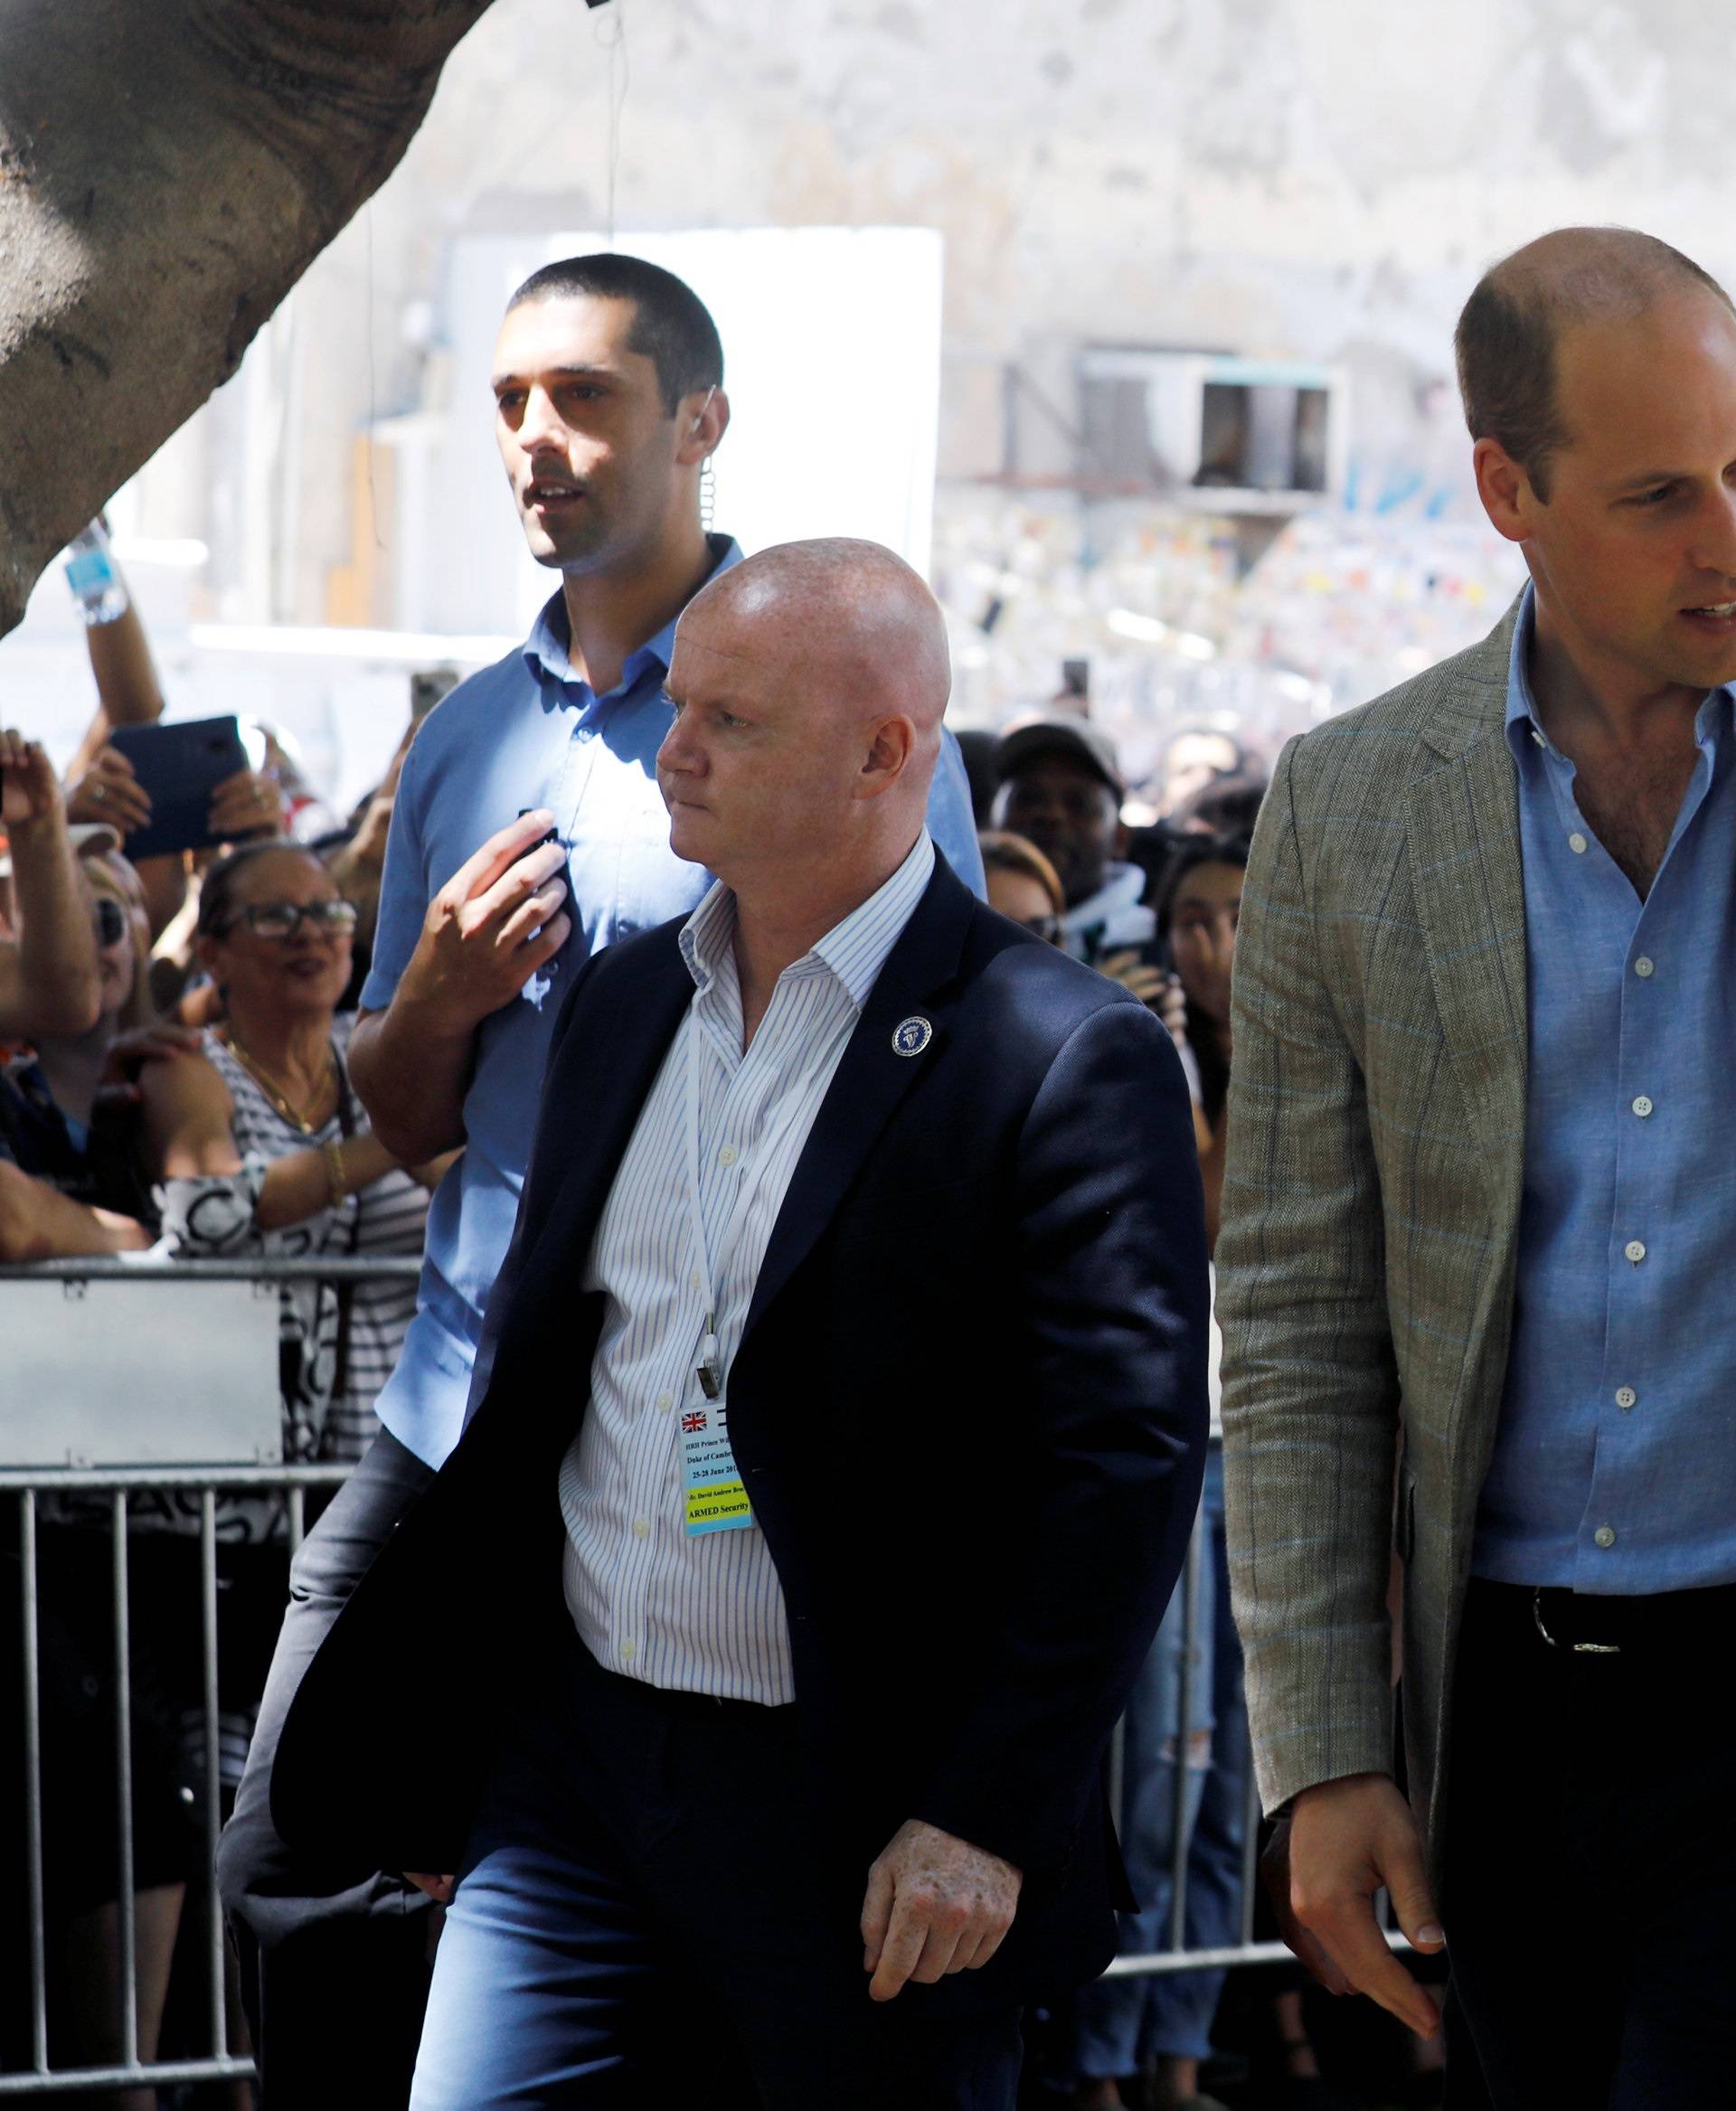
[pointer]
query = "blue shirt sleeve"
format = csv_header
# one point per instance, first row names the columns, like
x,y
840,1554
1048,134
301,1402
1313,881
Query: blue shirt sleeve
x,y
951,822
404,887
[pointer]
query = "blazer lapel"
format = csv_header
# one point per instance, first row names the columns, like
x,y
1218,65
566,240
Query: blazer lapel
x,y
870,1080
581,1141
1463,838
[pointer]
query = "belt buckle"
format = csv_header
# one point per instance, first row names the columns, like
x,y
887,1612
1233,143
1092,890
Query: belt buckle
x,y
1576,1648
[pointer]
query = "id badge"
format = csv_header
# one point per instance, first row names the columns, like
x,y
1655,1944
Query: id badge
x,y
712,1494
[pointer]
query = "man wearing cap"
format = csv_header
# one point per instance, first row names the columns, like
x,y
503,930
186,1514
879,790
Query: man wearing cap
x,y
1060,788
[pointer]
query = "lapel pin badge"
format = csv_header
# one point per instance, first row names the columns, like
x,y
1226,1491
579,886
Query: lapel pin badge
x,y
911,1036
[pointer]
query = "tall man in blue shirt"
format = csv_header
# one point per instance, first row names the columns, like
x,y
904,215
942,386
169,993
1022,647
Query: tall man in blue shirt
x,y
1479,1214
528,834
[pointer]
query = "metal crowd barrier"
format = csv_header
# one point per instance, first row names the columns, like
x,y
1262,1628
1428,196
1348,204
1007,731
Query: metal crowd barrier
x,y
26,1482
92,1327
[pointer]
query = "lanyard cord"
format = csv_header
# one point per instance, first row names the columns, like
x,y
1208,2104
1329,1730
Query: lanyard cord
x,y
710,1377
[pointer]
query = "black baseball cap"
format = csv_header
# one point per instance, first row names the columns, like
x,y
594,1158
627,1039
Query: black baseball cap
x,y
1078,738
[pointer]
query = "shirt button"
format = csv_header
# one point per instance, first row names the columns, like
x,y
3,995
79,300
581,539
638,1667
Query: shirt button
x,y
629,1650
694,1282
1576,843
1642,1107
1642,967
1604,1535
1538,738
665,1400
641,1528
726,1156
1635,1250
1626,1397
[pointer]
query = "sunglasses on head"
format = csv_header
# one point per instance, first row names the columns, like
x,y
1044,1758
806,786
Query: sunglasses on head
x,y
282,920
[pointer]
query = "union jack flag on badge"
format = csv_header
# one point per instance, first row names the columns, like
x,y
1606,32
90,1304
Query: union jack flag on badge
x,y
693,1424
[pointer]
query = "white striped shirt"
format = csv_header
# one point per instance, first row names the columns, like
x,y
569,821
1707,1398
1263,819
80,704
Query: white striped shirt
x,y
704,1615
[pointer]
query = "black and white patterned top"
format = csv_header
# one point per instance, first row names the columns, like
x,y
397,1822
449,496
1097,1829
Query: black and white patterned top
x,y
327,1416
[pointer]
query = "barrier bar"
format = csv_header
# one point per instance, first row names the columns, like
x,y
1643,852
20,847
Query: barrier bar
x,y
1170,1964
34,1786
64,2081
124,1903
214,1764
261,1269
102,1480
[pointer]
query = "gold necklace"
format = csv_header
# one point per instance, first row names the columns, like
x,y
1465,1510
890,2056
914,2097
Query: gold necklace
x,y
272,1087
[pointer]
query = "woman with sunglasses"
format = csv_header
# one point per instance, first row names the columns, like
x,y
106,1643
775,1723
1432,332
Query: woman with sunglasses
x,y
261,1146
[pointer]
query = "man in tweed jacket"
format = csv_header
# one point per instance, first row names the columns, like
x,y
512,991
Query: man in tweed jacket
x,y
1477,1215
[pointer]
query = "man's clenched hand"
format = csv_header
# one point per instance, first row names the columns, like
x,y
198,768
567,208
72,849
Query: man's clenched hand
x,y
1342,1843
935,1904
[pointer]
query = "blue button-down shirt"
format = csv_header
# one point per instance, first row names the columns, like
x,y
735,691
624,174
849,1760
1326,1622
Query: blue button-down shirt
x,y
1615,1459
529,732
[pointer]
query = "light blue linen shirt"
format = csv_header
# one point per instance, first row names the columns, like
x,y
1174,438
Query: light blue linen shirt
x,y
529,732
1615,1459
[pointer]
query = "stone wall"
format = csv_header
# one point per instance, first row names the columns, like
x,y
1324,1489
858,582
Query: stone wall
x,y
1317,179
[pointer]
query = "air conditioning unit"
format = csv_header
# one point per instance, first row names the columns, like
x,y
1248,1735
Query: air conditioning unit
x,y
1211,430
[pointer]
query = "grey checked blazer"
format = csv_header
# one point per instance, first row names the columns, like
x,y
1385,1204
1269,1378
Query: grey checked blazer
x,y
1365,1269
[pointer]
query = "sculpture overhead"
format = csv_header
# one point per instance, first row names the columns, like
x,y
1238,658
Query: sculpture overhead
x,y
168,170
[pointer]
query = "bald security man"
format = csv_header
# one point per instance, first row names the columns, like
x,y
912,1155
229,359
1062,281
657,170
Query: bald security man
x,y
1478,1216
838,1431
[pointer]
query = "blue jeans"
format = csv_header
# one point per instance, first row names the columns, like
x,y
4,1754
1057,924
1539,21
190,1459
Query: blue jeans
x,y
1122,2023
645,1915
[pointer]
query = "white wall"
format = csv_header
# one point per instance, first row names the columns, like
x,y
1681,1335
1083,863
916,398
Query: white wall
x,y
1315,179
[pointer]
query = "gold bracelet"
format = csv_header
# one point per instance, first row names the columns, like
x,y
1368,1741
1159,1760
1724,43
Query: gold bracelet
x,y
334,1156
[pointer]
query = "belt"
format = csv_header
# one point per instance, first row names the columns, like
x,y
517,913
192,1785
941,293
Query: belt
x,y
1664,1623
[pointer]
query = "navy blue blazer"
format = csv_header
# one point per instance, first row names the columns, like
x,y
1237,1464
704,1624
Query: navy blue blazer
x,y
969,1409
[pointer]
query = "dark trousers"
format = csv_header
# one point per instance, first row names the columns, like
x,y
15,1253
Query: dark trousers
x,y
1590,1892
645,1917
333,1960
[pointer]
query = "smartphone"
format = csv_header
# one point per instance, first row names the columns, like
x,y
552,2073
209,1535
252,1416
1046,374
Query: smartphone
x,y
180,765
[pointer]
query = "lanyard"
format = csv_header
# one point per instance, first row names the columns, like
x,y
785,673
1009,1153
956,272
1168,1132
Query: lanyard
x,y
708,1369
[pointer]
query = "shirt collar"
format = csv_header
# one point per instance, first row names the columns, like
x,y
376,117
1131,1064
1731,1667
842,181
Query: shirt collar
x,y
1523,730
546,649
853,951
1526,729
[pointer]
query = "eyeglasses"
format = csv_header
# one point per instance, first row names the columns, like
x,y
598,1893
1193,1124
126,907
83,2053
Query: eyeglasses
x,y
111,921
281,920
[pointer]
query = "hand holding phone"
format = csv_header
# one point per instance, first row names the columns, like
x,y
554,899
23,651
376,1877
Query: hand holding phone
x,y
181,767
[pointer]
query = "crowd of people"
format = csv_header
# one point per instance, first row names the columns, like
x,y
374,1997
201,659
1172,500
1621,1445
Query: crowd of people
x,y
315,1037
